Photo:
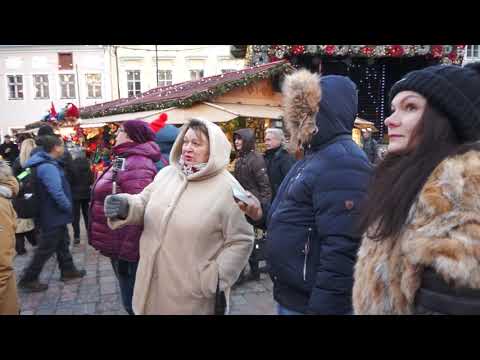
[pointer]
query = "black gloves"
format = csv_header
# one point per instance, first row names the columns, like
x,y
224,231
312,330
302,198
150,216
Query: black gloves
x,y
116,206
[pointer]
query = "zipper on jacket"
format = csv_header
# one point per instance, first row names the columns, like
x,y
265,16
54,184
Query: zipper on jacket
x,y
306,251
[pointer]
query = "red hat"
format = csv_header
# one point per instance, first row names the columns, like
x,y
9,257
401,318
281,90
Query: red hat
x,y
72,111
159,122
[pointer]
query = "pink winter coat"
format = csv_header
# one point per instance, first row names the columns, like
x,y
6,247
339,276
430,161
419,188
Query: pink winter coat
x,y
140,170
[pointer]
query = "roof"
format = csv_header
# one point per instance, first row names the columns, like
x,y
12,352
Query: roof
x,y
187,93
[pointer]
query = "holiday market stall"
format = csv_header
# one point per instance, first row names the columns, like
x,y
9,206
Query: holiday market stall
x,y
245,98
374,68
95,140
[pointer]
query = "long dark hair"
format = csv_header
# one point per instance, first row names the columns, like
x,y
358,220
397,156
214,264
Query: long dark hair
x,y
399,178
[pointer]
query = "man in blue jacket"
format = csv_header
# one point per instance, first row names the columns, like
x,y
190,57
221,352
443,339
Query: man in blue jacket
x,y
312,240
55,212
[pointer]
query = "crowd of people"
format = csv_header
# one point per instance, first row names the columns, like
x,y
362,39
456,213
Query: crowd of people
x,y
342,230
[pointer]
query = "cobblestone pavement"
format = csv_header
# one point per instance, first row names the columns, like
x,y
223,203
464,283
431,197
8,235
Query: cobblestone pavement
x,y
98,292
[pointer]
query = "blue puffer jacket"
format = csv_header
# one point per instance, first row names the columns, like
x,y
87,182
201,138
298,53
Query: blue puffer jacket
x,y
54,195
165,138
311,241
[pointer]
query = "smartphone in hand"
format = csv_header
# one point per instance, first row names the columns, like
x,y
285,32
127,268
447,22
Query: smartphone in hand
x,y
239,193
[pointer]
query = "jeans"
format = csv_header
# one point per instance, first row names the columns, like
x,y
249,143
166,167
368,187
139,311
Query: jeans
x,y
51,241
125,272
77,205
282,310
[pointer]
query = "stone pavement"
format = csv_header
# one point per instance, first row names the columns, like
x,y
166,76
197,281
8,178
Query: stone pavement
x,y
98,292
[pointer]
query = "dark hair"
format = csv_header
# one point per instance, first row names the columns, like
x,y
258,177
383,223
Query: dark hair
x,y
197,125
399,178
50,141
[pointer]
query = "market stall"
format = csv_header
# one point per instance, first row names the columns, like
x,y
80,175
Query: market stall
x,y
245,98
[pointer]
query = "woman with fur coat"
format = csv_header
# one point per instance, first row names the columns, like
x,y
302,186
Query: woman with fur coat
x,y
421,247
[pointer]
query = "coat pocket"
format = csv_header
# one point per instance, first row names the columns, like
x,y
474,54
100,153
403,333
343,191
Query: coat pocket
x,y
208,279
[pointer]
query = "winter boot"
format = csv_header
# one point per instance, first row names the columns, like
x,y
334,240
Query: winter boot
x,y
72,274
32,285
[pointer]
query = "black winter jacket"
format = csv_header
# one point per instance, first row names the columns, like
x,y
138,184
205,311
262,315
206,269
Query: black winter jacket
x,y
279,163
82,179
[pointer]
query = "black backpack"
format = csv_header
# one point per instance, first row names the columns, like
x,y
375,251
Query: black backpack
x,y
26,203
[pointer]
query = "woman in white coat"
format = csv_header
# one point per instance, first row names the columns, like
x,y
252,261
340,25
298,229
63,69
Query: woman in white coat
x,y
195,237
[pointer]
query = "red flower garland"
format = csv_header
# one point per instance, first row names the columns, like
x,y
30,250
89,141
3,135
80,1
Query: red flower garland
x,y
330,49
367,51
298,49
395,51
437,51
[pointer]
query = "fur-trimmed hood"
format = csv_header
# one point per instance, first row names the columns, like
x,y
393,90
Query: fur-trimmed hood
x,y
8,184
318,109
443,233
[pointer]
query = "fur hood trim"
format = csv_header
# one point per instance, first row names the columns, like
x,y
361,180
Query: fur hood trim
x,y
301,98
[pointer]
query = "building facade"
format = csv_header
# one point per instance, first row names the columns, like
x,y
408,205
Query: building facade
x,y
472,54
139,68
34,76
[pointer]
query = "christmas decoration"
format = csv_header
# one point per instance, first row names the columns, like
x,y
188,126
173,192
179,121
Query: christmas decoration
x,y
259,54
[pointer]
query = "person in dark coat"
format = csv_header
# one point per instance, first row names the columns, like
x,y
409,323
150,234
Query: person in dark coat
x,y
82,180
66,159
165,136
369,145
277,158
25,222
135,143
250,167
55,203
312,237
251,172
9,150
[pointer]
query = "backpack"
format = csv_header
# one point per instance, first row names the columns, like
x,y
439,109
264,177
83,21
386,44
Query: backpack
x,y
26,203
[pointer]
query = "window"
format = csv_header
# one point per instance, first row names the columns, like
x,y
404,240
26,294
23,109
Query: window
x,y
15,87
227,70
473,51
164,77
67,86
133,81
94,85
65,61
40,83
196,74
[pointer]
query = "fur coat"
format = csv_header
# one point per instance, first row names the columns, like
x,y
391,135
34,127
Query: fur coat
x,y
443,232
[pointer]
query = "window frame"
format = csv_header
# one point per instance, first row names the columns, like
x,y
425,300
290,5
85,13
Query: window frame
x,y
166,81
201,71
97,85
134,82
42,84
74,86
7,83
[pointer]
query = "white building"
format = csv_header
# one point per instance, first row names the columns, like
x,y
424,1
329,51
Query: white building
x,y
34,76
472,54
136,65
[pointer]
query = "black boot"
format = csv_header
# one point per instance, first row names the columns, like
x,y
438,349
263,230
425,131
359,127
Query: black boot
x,y
32,285
20,244
72,274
